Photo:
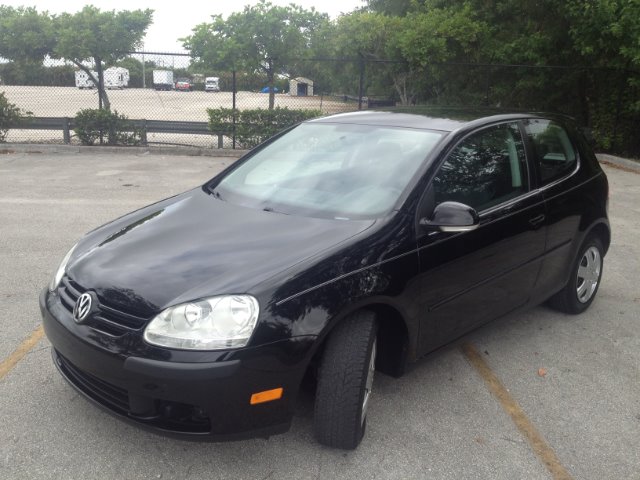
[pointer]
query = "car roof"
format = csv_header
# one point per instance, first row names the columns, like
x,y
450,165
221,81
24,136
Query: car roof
x,y
445,119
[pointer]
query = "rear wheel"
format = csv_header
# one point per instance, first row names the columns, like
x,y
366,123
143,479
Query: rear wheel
x,y
345,381
583,285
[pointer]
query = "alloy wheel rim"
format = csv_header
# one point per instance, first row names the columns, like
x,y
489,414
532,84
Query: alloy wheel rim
x,y
588,274
369,383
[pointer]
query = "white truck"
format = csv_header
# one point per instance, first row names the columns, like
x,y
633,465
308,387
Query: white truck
x,y
83,80
163,80
116,77
212,84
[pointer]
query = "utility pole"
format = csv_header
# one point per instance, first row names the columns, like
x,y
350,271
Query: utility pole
x,y
144,76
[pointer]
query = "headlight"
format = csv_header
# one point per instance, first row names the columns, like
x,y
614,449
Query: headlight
x,y
210,324
55,281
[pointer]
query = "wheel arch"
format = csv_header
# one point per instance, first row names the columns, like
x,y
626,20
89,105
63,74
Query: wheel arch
x,y
603,231
394,346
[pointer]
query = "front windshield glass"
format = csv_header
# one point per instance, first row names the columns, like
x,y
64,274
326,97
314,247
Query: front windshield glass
x,y
340,171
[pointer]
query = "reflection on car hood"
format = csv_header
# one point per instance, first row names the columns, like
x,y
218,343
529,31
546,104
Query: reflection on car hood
x,y
195,245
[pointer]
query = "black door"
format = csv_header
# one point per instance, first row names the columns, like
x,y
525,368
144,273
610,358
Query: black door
x,y
468,278
563,187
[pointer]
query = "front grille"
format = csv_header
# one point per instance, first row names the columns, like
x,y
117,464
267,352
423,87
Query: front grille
x,y
114,397
107,320
164,415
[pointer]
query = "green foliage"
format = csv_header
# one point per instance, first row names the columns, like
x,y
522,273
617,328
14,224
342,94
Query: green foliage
x,y
95,34
595,41
10,116
106,127
103,37
35,73
262,37
25,33
253,127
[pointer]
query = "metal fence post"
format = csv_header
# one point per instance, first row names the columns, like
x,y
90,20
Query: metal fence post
x,y
361,84
144,132
66,133
235,91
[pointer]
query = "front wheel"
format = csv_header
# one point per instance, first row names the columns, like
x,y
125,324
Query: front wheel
x,y
586,274
345,381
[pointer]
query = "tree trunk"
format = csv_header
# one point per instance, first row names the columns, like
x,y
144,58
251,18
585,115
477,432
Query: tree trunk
x,y
400,82
102,92
103,99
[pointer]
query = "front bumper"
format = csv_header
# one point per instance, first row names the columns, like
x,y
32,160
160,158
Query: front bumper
x,y
208,398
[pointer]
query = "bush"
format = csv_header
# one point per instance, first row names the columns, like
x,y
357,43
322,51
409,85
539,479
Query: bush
x,y
92,125
10,116
255,126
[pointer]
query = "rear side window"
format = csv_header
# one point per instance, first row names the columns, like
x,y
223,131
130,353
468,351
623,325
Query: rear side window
x,y
553,149
485,169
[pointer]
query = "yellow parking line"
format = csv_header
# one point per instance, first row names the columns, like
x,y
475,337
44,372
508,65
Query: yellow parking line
x,y
12,360
513,409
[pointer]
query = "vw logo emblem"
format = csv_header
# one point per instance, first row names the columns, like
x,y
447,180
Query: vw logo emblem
x,y
82,308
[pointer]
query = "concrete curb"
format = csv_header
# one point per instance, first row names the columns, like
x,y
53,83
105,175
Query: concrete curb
x,y
619,162
208,152
66,149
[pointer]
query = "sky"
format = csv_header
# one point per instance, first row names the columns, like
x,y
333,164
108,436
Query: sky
x,y
174,19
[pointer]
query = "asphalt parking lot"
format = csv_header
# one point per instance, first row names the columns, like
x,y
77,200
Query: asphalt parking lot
x,y
576,380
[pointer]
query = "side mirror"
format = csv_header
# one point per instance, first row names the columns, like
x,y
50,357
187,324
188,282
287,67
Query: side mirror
x,y
452,217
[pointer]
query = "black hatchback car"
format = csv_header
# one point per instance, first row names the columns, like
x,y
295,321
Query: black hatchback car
x,y
347,244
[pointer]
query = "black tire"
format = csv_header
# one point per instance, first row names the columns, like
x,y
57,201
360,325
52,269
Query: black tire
x,y
342,381
567,299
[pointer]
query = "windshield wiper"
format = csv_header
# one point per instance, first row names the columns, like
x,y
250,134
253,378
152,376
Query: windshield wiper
x,y
270,209
216,194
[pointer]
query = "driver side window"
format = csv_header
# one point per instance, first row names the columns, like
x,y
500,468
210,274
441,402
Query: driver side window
x,y
485,169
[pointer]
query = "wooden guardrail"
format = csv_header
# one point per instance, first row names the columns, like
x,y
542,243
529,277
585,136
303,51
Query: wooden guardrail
x,y
66,125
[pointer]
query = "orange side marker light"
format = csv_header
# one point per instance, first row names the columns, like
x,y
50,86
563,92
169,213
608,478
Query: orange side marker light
x,y
266,396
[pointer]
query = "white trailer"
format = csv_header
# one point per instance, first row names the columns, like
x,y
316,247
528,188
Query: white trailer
x,y
212,84
116,77
163,80
83,80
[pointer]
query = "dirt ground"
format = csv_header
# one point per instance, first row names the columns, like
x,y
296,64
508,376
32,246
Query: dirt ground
x,y
157,105
137,103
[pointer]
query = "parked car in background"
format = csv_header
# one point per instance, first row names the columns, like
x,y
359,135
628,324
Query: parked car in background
x,y
212,84
83,80
266,90
184,85
163,80
348,244
116,77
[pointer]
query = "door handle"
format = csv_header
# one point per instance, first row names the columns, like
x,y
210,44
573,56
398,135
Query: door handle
x,y
537,220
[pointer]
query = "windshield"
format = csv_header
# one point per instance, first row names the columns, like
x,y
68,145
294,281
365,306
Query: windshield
x,y
340,171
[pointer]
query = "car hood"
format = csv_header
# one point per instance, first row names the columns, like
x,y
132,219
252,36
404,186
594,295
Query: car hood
x,y
195,245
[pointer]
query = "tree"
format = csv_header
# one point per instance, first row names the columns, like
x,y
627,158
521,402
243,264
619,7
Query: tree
x,y
10,116
400,51
25,33
88,35
262,37
374,38
391,7
104,37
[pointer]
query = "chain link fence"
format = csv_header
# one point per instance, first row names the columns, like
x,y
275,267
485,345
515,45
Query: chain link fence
x,y
172,105
158,87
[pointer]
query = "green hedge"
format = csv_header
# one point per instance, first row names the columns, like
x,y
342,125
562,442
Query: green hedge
x,y
255,126
10,116
108,127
